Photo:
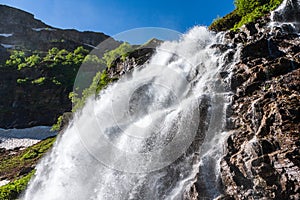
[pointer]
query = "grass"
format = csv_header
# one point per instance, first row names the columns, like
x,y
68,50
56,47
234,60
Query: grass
x,y
13,189
243,14
18,167
15,162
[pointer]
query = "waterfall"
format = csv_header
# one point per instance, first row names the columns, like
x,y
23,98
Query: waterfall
x,y
287,16
148,135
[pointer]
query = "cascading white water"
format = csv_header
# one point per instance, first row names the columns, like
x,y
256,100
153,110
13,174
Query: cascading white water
x,y
142,137
287,16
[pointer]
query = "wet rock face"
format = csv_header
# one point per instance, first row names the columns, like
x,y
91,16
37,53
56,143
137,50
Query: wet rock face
x,y
262,158
290,13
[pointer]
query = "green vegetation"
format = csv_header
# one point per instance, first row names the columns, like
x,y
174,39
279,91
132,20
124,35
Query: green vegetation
x,y
26,157
22,80
121,51
16,58
39,81
11,166
57,126
56,82
12,190
100,81
225,23
59,65
93,60
63,65
246,11
31,61
252,10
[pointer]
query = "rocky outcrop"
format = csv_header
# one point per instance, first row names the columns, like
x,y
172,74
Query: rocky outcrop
x,y
135,58
263,149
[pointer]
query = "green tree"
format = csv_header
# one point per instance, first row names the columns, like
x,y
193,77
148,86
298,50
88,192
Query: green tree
x,y
100,81
51,54
16,58
120,51
33,60
92,60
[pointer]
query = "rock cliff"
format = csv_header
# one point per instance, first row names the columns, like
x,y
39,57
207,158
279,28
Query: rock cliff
x,y
27,105
263,149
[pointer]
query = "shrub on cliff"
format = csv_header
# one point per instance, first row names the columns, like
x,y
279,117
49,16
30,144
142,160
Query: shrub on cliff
x,y
247,6
253,10
225,23
16,58
100,81
246,11
121,51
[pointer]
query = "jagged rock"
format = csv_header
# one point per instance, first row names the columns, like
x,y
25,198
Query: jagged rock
x,y
256,49
250,29
135,58
262,153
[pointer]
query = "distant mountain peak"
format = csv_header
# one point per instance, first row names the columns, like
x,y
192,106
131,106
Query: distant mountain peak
x,y
20,30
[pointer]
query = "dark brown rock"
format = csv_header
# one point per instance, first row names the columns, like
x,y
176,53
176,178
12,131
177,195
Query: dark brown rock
x,y
262,153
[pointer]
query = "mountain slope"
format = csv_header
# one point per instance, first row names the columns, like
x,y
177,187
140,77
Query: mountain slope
x,y
42,65
20,30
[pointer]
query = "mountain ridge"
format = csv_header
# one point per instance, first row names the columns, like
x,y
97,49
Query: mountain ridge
x,y
20,30
38,93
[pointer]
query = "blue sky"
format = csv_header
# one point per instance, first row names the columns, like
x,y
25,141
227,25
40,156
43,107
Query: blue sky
x,y
115,16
